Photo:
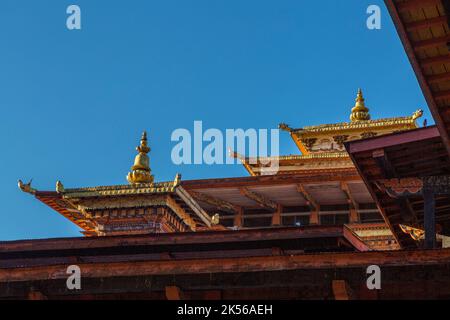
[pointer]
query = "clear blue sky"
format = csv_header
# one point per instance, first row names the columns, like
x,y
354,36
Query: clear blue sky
x,y
73,103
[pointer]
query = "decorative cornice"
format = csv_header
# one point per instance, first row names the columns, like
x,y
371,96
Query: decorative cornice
x,y
409,122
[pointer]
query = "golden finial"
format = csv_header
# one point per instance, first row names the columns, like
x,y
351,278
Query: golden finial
x,y
360,112
140,171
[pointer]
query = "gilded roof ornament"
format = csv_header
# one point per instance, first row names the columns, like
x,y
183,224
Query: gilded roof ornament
x,y
285,127
416,115
360,112
177,180
59,187
140,171
26,187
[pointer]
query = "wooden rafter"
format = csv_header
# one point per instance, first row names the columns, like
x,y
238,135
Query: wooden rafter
x,y
427,23
213,201
442,95
435,60
187,198
415,4
308,198
438,77
180,212
354,206
261,200
431,43
313,205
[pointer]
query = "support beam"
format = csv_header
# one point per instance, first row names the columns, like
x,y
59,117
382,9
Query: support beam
x,y
313,205
442,95
430,219
187,198
438,77
261,200
354,206
431,43
407,212
417,4
427,23
239,217
174,293
435,60
341,290
181,213
276,217
213,201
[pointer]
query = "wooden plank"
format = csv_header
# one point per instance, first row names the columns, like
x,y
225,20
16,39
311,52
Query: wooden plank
x,y
186,197
417,4
246,264
214,201
427,23
393,139
188,238
261,200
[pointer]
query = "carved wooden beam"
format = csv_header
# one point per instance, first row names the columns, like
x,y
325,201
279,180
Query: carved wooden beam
x,y
261,200
308,198
213,201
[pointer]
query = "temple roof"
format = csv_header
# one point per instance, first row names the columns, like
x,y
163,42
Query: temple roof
x,y
322,146
142,206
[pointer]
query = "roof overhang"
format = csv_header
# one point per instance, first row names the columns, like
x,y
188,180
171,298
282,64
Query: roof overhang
x,y
424,31
415,153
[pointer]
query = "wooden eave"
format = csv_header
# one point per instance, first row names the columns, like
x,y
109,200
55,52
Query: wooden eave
x,y
424,31
174,197
414,153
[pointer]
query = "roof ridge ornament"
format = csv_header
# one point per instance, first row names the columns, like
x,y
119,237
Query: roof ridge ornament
x,y
140,171
26,187
360,112
417,114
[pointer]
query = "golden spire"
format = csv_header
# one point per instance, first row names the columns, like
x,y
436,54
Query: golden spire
x,y
360,112
140,171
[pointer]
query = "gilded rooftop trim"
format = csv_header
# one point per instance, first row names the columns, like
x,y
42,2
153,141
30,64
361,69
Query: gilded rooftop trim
x,y
310,156
386,122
